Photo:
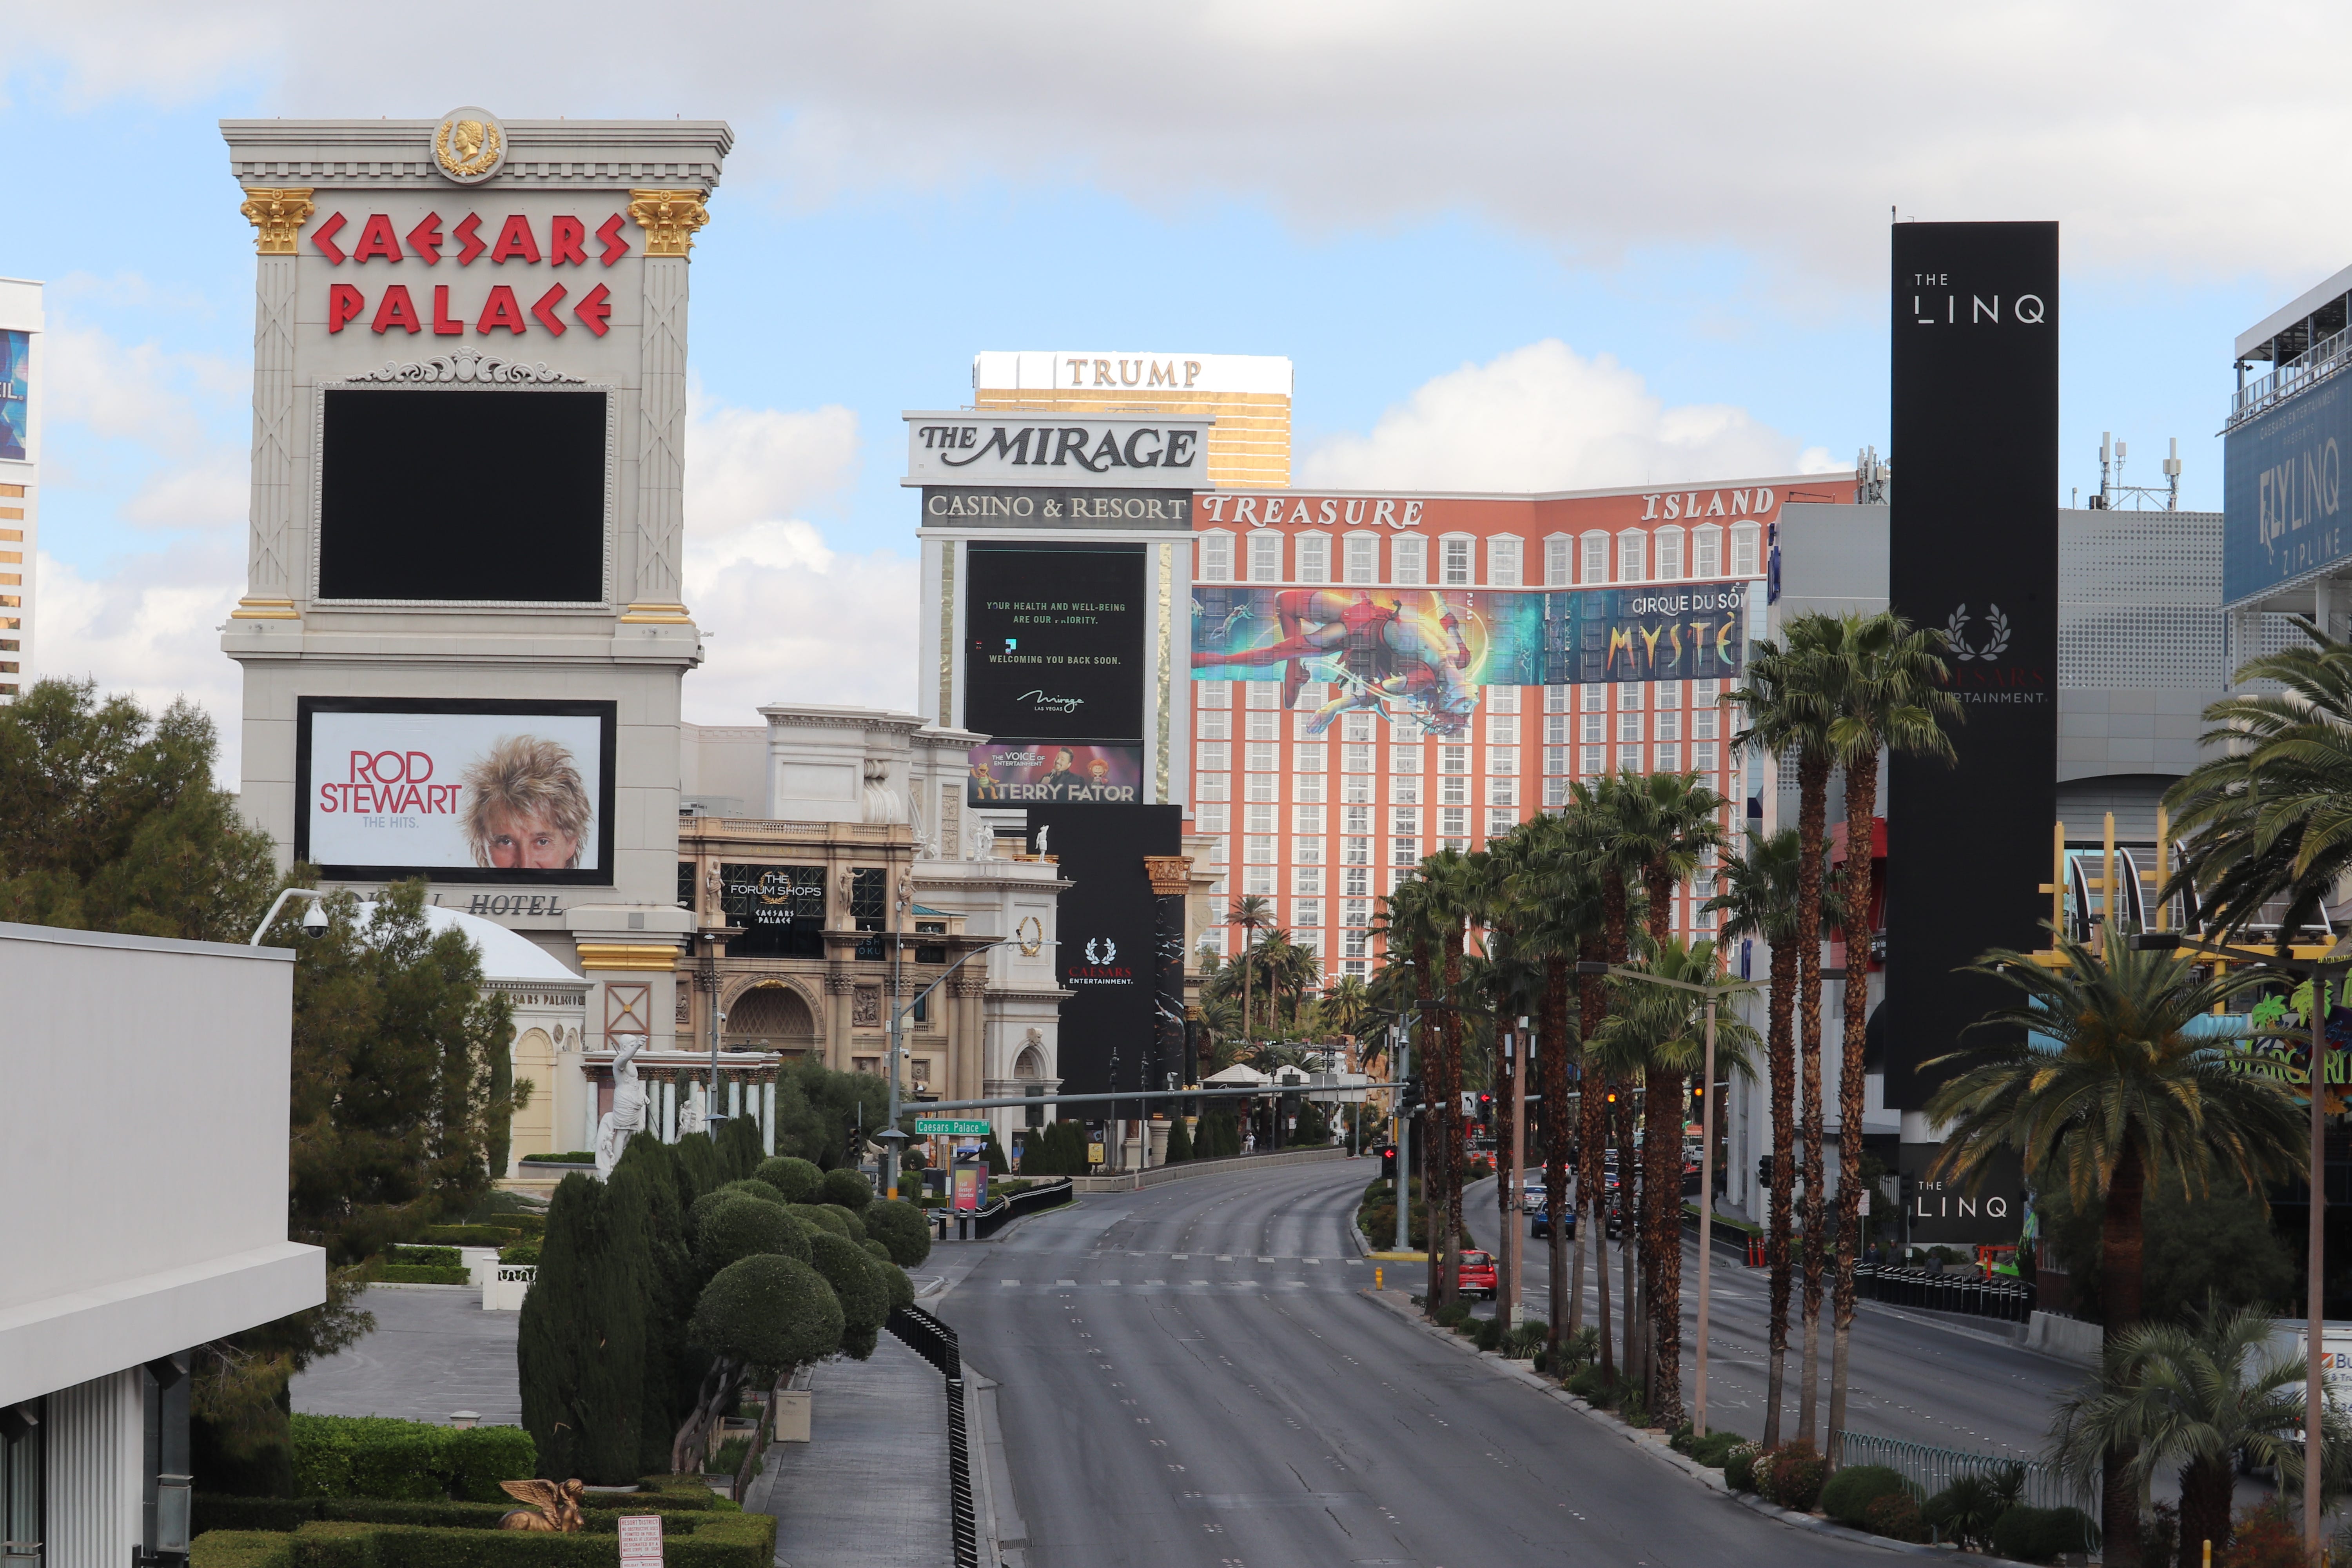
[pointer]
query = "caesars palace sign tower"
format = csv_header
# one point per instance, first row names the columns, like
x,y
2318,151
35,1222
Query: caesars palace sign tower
x,y
463,633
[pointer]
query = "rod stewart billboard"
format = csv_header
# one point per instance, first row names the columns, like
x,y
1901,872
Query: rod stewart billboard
x,y
1974,554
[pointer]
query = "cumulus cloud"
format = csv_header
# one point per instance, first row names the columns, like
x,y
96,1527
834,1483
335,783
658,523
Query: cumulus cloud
x,y
1786,130
1544,417
155,400
147,627
789,618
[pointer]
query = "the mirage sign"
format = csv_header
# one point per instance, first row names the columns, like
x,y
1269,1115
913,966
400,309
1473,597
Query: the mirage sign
x,y
1029,449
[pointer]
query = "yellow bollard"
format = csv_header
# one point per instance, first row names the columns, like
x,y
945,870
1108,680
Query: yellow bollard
x,y
2209,1554
1379,1275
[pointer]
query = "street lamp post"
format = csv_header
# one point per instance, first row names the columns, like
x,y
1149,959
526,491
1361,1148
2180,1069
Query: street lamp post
x,y
891,1137
1705,1157
2329,967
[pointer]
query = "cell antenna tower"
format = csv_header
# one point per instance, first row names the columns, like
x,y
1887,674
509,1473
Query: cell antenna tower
x,y
2166,497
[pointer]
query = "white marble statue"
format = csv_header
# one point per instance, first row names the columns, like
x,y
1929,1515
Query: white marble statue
x,y
628,1117
690,1117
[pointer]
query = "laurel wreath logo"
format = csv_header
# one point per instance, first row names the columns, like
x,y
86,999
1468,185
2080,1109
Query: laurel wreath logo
x,y
1997,638
476,151
1109,949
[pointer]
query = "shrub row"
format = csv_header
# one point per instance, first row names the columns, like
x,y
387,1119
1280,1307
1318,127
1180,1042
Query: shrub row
x,y
221,1512
690,1539
437,1257
504,1235
421,1274
380,1456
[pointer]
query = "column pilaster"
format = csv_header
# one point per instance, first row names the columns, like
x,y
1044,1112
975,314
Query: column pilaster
x,y
669,219
278,215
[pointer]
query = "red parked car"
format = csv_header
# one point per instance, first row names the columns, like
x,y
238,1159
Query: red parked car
x,y
1477,1275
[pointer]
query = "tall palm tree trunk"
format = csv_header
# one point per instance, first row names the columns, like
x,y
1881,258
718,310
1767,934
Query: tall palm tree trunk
x,y
1592,1138
1552,1071
1630,1251
2120,1240
1813,804
1662,1173
1783,1072
1861,807
1451,1026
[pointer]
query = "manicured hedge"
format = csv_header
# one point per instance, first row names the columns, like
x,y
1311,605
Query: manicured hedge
x,y
218,1511
422,1274
437,1257
690,1539
471,1235
417,1461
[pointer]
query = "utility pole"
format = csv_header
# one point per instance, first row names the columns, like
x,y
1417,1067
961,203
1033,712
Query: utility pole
x,y
1404,1136
1523,1073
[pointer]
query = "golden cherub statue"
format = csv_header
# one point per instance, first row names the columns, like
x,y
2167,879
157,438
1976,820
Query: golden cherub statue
x,y
558,1503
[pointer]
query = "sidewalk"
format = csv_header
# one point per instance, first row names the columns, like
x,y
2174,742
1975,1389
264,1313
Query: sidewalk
x,y
869,1489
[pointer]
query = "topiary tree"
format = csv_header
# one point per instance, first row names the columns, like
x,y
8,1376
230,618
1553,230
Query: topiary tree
x,y
744,1226
858,1284
698,1157
762,1313
751,1187
739,1147
1179,1142
855,1229
902,1229
994,1155
796,1180
846,1187
894,1278
674,1369
580,1347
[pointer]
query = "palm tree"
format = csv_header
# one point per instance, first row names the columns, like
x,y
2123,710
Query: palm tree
x,y
1759,899
1455,885
1790,700
1657,1031
1890,680
2097,1078
1347,1008
1410,921
1250,913
2202,1397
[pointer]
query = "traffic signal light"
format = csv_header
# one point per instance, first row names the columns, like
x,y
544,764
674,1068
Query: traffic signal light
x,y
1388,1161
1415,1097
1763,1170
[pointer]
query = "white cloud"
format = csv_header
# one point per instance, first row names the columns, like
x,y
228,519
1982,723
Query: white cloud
x,y
1783,131
151,628
752,465
788,617
1544,417
149,398
791,620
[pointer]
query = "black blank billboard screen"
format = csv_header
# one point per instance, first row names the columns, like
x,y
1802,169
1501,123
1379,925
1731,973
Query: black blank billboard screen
x,y
463,496
1107,932
1054,641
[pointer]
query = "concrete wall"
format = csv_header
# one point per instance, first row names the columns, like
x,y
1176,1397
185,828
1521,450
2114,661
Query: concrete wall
x,y
142,1151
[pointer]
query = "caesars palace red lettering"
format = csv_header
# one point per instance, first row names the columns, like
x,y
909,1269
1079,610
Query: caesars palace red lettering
x,y
386,784
399,310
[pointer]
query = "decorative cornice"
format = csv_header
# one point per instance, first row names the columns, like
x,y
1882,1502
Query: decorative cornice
x,y
628,955
669,219
467,364
657,615
596,154
253,608
1171,875
278,215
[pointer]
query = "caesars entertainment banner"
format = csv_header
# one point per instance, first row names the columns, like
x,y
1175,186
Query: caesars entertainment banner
x,y
1054,673
456,791
1108,942
1420,655
1973,553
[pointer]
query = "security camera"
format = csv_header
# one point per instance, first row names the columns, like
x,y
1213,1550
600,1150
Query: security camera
x,y
314,918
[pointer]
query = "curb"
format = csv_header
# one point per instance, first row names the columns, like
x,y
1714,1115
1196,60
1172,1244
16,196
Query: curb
x,y
1650,1443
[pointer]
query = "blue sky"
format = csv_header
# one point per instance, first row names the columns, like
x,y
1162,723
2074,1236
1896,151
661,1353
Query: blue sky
x,y
875,229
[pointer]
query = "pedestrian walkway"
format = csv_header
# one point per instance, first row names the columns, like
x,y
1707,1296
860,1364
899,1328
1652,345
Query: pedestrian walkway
x,y
434,1351
869,1489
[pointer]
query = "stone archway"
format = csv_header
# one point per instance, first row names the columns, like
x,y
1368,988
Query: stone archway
x,y
774,1013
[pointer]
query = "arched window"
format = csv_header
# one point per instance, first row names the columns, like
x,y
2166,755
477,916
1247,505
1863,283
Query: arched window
x,y
1707,551
1314,557
1669,546
1632,549
1216,556
1266,556
1029,1064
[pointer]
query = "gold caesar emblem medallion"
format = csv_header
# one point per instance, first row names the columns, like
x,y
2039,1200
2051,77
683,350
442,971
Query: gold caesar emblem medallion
x,y
470,144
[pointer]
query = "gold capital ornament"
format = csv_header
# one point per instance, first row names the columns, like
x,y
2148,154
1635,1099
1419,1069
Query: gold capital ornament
x,y
669,219
277,216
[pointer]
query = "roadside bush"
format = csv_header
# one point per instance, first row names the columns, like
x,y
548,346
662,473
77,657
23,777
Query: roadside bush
x,y
858,1284
1487,1333
1526,1340
902,1228
894,1278
1589,1385
1964,1512
2265,1538
1713,1450
1846,1496
795,1179
771,1311
846,1187
1791,1476
431,1256
1739,1466
739,1230
1454,1315
2062,1529
722,1536
380,1456
1896,1517
520,1252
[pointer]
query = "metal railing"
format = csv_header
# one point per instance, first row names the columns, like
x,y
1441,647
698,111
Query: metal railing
x,y
2321,359
936,1342
2009,1301
997,1215
1931,1470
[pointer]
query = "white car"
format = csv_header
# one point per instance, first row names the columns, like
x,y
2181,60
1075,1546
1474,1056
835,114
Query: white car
x,y
1531,1192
